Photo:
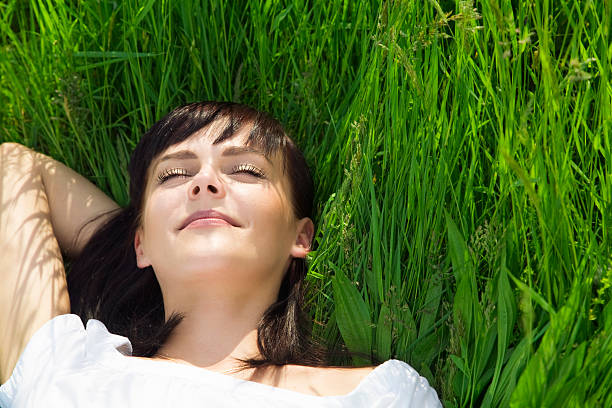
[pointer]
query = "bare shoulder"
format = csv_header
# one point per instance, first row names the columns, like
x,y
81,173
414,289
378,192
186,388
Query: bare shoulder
x,y
325,381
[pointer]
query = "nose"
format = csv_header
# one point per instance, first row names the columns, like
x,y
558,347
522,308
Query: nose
x,y
206,183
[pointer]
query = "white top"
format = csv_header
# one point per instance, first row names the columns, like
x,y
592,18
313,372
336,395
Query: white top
x,y
65,365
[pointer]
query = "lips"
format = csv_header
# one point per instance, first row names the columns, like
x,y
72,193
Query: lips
x,y
208,214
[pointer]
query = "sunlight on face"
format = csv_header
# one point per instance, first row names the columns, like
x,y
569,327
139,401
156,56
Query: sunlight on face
x,y
216,215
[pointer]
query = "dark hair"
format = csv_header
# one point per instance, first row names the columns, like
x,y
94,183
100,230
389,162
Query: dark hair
x,y
105,283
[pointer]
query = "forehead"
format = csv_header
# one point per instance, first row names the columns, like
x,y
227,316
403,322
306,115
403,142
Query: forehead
x,y
211,135
227,140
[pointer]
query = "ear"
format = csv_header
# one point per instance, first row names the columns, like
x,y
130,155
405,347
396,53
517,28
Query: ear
x,y
141,260
303,240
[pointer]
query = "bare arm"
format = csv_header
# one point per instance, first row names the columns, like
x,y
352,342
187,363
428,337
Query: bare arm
x,y
73,201
43,205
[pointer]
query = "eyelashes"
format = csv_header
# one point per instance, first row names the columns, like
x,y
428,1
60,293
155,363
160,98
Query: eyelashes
x,y
248,169
173,172
244,168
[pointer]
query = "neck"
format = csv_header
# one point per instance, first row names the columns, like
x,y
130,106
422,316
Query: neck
x,y
215,333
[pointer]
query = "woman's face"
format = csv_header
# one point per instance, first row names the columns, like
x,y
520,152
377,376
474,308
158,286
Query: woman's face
x,y
219,215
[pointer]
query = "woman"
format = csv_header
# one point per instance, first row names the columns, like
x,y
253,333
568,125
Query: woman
x,y
202,272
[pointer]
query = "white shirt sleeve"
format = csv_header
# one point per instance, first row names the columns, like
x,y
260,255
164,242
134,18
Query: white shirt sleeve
x,y
38,357
410,386
395,385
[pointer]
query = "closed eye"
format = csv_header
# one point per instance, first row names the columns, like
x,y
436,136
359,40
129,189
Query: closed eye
x,y
249,169
170,173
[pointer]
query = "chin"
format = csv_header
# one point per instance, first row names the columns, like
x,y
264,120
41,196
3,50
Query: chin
x,y
212,260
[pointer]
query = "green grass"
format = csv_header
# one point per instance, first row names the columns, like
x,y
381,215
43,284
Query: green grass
x,y
462,153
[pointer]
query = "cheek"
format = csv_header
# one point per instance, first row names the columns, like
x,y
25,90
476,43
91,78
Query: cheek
x,y
270,212
159,210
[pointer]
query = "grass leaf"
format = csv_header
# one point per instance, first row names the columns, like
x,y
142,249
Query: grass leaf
x,y
352,316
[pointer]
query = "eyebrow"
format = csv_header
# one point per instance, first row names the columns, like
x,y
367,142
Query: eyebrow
x,y
180,155
238,150
230,151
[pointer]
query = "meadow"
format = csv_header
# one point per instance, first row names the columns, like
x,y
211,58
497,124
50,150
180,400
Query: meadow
x,y
462,153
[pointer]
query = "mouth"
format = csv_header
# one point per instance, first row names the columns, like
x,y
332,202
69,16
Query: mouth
x,y
208,217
